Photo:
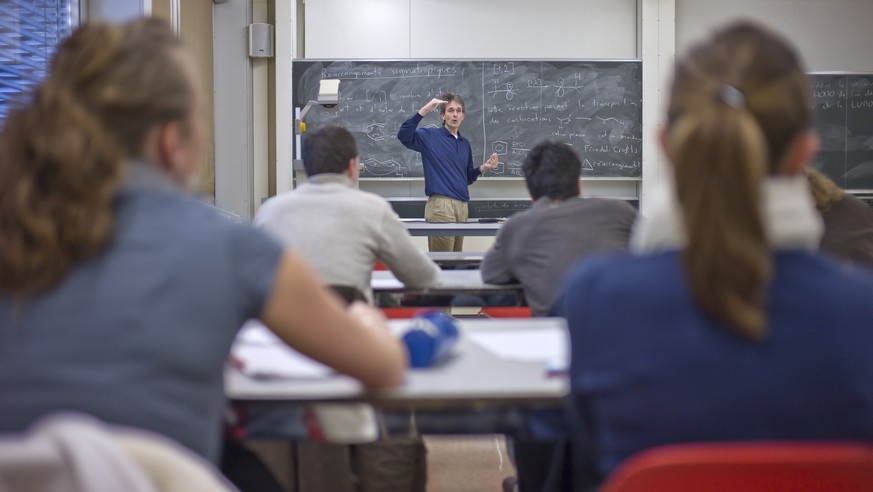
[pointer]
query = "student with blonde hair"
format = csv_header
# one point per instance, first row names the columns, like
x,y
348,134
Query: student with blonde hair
x,y
848,221
120,292
738,330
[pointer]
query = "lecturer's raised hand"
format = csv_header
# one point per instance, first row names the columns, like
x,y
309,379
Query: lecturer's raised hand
x,y
427,108
490,164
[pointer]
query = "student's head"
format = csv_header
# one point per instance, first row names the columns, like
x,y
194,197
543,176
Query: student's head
x,y
739,111
330,149
551,169
452,112
112,92
824,191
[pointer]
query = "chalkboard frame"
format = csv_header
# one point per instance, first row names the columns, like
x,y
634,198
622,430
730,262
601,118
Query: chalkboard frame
x,y
824,161
413,207
299,100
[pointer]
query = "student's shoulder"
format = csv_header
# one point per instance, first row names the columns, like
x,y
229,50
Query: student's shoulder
x,y
523,219
608,205
188,221
364,206
832,274
850,207
171,208
818,279
273,207
370,200
616,268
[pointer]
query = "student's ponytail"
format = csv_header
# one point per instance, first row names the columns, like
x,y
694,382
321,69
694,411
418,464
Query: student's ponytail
x,y
736,105
721,154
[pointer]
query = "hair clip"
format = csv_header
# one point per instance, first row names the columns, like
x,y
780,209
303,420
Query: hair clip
x,y
731,96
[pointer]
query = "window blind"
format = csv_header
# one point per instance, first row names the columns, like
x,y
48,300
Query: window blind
x,y
29,32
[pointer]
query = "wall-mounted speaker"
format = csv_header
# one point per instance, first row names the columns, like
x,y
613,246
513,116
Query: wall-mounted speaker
x,y
260,40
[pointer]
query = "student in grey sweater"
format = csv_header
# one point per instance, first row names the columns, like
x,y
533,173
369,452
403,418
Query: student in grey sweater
x,y
340,230
538,246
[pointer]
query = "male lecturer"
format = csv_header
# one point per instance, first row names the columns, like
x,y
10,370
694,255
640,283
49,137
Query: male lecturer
x,y
447,159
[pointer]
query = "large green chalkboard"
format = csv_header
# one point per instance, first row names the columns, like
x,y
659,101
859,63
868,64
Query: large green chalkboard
x,y
511,105
843,105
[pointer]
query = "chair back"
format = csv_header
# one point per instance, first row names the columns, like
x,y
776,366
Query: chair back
x,y
749,467
403,312
506,311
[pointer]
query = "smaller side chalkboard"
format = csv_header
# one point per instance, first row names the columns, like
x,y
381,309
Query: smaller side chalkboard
x,y
843,106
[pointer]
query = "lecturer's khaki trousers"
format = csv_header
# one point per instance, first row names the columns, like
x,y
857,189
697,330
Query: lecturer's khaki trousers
x,y
440,208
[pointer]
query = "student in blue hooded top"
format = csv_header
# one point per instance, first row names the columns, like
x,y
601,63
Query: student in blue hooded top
x,y
447,159
120,291
737,330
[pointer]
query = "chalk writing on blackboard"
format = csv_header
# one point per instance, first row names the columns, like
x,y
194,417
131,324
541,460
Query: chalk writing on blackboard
x,y
843,107
595,106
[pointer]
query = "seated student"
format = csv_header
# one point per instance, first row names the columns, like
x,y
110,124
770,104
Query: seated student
x,y
848,221
120,292
536,247
340,230
741,331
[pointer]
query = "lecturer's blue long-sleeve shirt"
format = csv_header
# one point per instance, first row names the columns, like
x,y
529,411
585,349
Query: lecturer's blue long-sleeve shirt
x,y
447,161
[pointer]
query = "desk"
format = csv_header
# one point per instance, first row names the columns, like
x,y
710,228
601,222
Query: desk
x,y
450,283
474,378
456,258
422,228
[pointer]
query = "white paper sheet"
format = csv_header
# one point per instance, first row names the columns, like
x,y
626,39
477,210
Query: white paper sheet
x,y
385,283
253,332
260,354
539,345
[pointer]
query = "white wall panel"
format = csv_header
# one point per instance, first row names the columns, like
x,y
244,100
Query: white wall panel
x,y
455,29
830,34
523,29
357,29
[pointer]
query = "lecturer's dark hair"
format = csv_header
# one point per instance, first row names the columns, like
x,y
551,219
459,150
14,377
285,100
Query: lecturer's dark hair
x,y
450,97
61,152
736,104
328,150
552,169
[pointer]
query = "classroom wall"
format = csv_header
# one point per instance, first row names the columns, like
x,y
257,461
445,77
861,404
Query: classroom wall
x,y
831,35
115,10
456,29
465,29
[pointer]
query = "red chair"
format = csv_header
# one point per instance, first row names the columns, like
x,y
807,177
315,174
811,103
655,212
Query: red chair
x,y
400,312
748,467
505,311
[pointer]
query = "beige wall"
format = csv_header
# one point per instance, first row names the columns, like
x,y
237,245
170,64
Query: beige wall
x,y
195,29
